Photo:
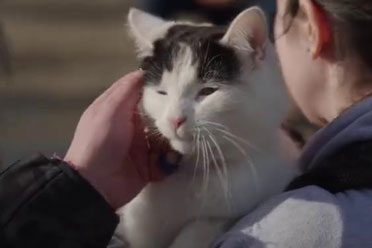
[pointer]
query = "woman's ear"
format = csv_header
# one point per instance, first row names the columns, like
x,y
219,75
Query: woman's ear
x,y
146,29
248,32
317,27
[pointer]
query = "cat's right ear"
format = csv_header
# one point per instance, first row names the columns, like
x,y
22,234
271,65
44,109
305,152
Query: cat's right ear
x,y
248,32
145,29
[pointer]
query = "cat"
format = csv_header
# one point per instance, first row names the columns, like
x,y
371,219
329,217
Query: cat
x,y
216,94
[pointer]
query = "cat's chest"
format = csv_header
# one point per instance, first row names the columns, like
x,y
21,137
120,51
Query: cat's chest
x,y
206,195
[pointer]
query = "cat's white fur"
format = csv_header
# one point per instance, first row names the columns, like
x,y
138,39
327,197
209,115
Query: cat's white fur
x,y
240,121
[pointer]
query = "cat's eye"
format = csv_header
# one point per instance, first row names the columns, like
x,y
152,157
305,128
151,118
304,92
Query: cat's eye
x,y
162,92
207,91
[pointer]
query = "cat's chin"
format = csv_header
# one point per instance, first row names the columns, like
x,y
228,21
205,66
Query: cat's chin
x,y
181,147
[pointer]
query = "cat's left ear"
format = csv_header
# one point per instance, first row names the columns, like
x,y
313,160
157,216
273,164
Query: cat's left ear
x,y
248,32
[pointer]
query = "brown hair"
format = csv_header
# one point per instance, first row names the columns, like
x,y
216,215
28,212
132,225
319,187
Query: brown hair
x,y
351,25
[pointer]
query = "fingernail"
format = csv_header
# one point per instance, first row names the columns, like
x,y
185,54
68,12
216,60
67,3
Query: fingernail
x,y
138,72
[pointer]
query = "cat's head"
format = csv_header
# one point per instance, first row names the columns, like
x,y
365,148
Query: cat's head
x,y
202,80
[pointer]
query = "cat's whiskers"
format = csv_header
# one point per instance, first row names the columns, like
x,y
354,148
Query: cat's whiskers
x,y
234,140
223,180
225,130
215,124
196,166
205,166
155,135
218,169
208,160
223,176
236,144
219,150
154,132
231,135
204,186
193,143
245,154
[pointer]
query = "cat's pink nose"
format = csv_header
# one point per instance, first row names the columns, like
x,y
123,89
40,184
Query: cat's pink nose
x,y
178,122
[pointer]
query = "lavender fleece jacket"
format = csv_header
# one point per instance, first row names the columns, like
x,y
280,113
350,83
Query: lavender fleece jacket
x,y
311,216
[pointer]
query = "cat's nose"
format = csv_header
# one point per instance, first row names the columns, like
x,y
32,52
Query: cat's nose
x,y
178,122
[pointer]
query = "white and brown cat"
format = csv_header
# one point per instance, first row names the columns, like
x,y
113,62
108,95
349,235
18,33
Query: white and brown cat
x,y
217,95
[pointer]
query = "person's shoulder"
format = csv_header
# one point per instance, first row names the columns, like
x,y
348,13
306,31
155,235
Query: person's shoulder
x,y
305,203
306,217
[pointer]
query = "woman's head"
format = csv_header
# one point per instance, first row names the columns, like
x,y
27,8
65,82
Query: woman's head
x,y
326,53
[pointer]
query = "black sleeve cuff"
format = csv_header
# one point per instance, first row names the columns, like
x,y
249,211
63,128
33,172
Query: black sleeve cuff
x,y
45,203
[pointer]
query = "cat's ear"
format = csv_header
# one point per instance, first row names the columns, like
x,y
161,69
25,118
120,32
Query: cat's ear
x,y
145,29
248,32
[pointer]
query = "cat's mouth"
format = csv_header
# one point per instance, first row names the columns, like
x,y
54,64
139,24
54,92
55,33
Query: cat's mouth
x,y
181,146
180,141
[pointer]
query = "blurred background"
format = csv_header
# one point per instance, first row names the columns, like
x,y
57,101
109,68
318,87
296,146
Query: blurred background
x,y
56,56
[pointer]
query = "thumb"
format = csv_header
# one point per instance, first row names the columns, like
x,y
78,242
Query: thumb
x,y
139,151
127,91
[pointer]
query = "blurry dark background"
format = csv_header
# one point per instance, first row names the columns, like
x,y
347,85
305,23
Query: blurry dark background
x,y
63,53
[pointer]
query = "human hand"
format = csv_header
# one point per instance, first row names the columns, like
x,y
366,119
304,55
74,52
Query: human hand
x,y
109,148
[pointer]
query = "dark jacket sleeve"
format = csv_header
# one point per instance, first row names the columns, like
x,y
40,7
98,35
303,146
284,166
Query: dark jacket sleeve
x,y
45,203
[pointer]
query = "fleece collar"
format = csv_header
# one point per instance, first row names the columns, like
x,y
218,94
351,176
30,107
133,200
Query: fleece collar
x,y
354,125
